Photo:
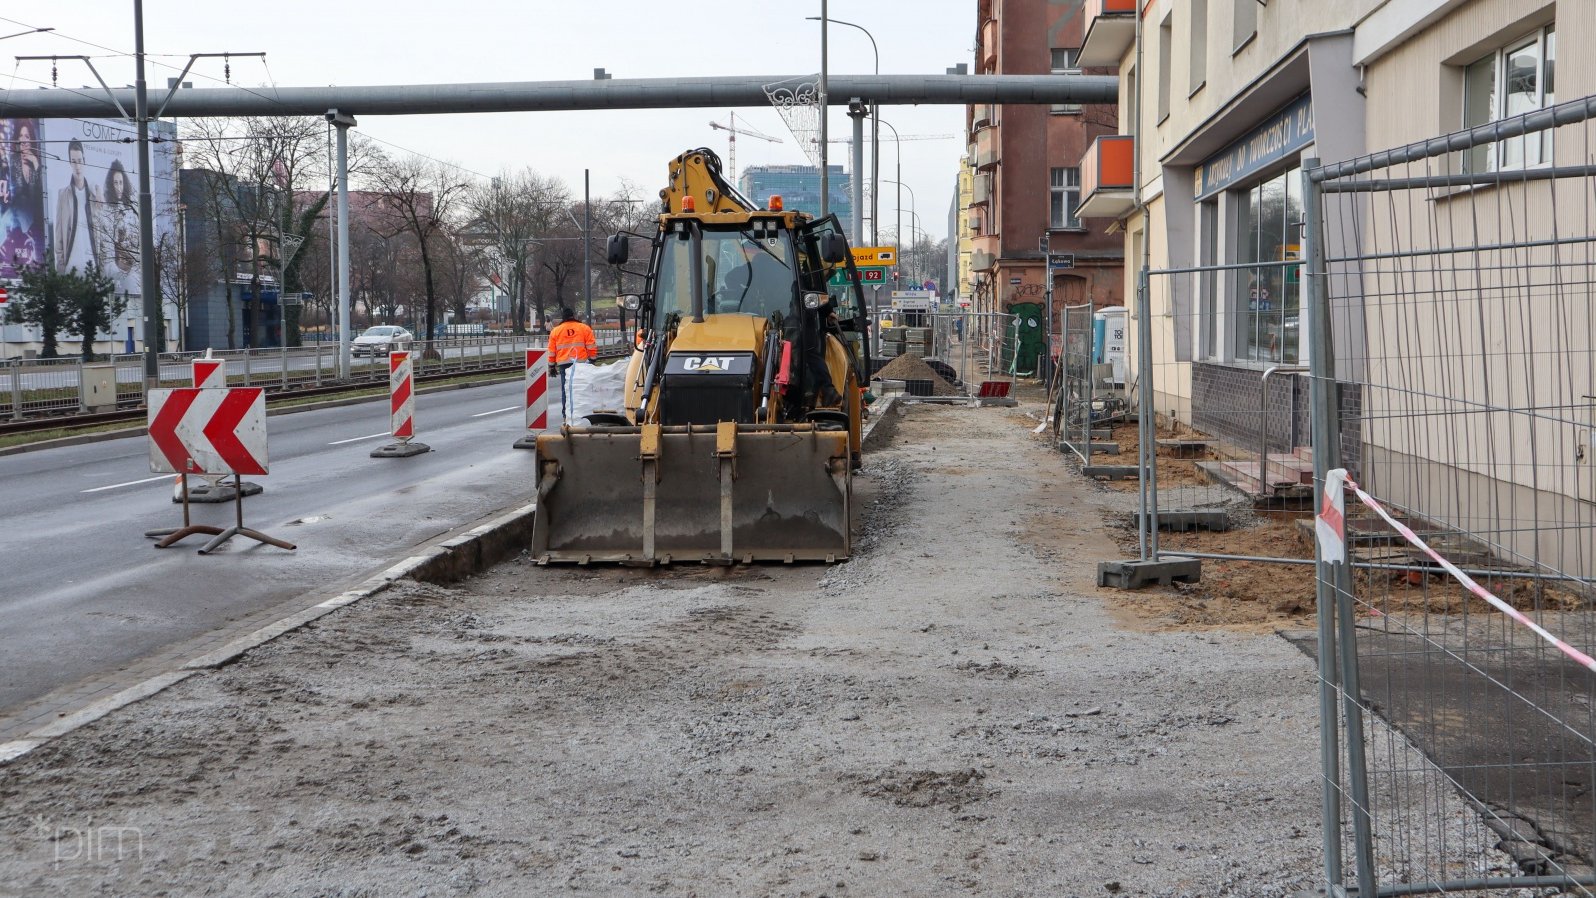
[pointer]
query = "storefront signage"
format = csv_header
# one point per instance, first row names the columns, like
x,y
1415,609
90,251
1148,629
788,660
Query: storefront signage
x,y
1275,139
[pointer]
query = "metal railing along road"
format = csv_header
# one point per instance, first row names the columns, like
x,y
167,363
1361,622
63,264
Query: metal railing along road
x,y
35,387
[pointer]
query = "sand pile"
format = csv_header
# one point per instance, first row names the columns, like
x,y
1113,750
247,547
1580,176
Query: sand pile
x,y
908,367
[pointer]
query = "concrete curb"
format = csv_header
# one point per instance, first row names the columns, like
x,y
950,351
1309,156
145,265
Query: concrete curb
x,y
453,557
884,415
84,439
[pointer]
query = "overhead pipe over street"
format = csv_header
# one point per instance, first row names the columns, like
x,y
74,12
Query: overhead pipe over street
x,y
557,96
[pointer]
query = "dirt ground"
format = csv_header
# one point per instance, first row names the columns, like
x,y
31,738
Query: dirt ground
x,y
956,711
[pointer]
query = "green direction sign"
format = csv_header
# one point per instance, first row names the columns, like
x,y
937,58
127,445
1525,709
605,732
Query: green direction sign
x,y
867,276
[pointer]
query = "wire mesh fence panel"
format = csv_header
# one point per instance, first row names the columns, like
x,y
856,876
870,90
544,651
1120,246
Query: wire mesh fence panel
x,y
1456,386
48,386
1071,408
1220,449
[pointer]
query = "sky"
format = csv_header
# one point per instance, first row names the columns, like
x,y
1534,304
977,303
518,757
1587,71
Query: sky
x,y
370,42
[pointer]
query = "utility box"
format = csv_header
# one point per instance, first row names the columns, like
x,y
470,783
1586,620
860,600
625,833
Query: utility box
x,y
97,388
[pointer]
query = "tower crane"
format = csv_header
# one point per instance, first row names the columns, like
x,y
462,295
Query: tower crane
x,y
732,131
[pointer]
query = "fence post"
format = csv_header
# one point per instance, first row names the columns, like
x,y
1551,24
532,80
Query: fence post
x,y
1333,584
247,353
1146,431
1091,374
318,363
16,389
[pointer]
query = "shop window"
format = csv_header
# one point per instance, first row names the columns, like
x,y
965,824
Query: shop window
x,y
1066,198
1510,81
1266,301
1064,64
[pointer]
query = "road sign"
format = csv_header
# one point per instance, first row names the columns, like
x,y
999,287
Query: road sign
x,y
210,373
537,389
866,276
4,296
1061,261
208,431
401,395
875,255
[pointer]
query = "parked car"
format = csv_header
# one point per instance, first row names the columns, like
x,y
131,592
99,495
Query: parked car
x,y
381,340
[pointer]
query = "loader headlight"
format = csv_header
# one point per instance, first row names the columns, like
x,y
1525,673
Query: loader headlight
x,y
814,301
631,302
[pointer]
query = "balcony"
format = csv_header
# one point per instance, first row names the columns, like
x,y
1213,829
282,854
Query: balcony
x,y
984,252
1110,32
986,149
980,116
981,189
1108,187
988,49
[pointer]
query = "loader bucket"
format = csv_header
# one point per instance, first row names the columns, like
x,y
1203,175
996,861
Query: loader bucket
x,y
703,493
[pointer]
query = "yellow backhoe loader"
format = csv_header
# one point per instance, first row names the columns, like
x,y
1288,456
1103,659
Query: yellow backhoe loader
x,y
742,420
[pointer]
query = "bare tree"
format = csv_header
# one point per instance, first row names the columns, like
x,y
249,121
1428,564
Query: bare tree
x,y
417,197
509,213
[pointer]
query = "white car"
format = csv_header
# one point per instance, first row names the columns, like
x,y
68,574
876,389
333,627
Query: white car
x,y
381,340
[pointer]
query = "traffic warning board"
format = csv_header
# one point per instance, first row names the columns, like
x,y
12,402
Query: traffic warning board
x,y
208,431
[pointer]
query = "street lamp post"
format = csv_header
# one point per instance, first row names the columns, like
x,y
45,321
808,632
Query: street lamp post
x,y
825,135
898,145
875,134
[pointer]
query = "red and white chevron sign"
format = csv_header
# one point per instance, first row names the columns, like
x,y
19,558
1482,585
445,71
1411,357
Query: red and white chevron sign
x,y
401,395
210,373
537,389
208,431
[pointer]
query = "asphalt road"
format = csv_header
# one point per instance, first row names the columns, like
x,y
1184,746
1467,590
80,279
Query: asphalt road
x,y
83,593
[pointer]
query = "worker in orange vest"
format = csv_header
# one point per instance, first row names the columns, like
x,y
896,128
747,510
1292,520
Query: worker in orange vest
x,y
570,342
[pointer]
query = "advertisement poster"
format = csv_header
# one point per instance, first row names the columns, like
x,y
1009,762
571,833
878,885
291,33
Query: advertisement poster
x,y
91,194
21,196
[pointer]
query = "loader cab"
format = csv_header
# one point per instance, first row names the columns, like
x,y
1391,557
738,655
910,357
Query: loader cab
x,y
747,269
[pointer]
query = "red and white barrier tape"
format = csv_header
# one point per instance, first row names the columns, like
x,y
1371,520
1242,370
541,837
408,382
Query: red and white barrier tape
x,y
1330,528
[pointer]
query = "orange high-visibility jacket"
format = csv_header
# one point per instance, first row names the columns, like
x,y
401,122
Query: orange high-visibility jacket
x,y
572,341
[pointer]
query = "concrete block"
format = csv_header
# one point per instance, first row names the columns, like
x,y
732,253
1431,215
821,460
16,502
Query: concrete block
x,y
1136,574
1110,472
1183,520
1184,448
400,450
223,492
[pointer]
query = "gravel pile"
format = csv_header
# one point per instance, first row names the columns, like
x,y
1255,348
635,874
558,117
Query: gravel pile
x,y
908,367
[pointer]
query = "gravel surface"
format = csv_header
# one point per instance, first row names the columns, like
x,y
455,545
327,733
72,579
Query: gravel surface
x,y
957,711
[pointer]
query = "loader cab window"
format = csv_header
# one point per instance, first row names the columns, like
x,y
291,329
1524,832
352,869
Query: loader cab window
x,y
838,281
744,274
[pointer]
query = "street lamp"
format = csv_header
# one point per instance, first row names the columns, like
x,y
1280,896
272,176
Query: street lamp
x,y
875,131
898,145
912,201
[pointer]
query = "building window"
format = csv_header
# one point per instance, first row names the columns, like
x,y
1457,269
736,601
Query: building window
x,y
1064,64
1066,198
1267,301
1510,81
1198,74
1245,23
1166,48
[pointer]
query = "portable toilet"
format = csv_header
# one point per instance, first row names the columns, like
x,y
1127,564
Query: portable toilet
x,y
1108,341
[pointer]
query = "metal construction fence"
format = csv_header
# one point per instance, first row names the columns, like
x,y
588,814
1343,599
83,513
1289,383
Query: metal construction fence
x,y
1413,378
1455,379
65,386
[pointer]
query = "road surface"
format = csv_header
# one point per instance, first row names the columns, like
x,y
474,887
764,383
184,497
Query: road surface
x,y
85,594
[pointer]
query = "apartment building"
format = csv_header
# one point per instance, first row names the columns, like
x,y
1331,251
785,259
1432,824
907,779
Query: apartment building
x,y
1221,103
1026,182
